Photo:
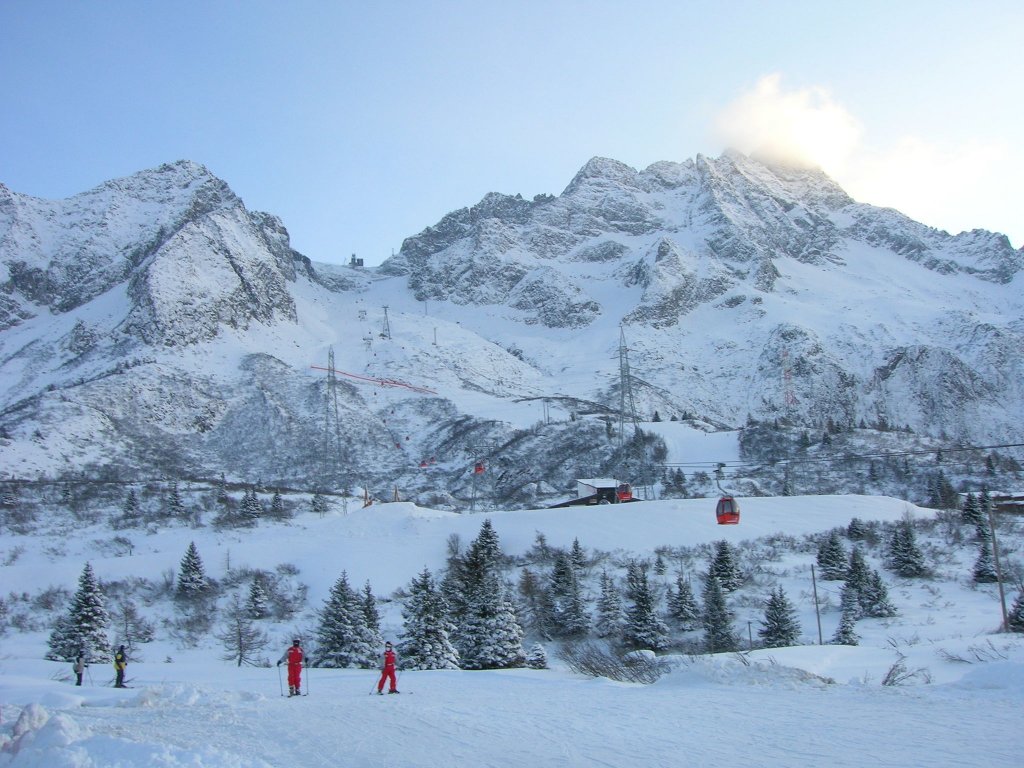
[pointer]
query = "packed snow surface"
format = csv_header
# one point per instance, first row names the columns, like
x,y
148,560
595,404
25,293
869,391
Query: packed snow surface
x,y
806,705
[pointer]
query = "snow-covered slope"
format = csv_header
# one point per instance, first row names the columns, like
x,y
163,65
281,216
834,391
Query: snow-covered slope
x,y
810,703
156,326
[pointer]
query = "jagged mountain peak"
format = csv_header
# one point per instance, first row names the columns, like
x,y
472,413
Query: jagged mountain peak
x,y
746,290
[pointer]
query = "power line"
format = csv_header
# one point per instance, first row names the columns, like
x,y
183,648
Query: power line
x,y
838,457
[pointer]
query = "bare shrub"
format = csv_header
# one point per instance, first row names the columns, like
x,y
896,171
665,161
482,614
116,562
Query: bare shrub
x,y
595,660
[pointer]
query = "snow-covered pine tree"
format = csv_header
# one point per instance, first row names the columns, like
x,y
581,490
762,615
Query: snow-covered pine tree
x,y
192,582
832,557
849,611
252,509
858,574
725,567
277,507
856,530
569,611
130,513
537,658
486,542
1015,617
84,628
489,635
610,619
578,557
319,504
717,619
535,607
174,507
984,566
970,512
343,639
682,605
644,628
257,604
874,598
426,641
371,615
780,628
905,557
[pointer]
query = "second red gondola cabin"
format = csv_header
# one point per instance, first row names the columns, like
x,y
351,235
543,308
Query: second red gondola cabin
x,y
728,511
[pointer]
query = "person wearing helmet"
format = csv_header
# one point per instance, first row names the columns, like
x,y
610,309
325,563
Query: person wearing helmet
x,y
294,657
387,672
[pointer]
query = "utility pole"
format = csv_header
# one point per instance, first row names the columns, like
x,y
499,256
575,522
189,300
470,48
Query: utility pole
x,y
999,571
386,333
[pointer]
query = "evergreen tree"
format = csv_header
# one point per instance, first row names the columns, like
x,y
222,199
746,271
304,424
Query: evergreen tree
x,y
578,557
610,620
832,558
251,510
130,513
644,628
850,610
569,610
682,605
856,530
174,507
537,658
343,639
486,543
426,641
257,603
535,608
780,628
319,504
725,568
1015,617
242,640
970,512
489,635
985,567
84,629
192,582
905,558
370,613
858,575
874,598
277,507
717,619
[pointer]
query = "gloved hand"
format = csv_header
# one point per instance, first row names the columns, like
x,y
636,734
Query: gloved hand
x,y
279,663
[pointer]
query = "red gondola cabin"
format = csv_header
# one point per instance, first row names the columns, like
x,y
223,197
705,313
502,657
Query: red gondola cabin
x,y
728,511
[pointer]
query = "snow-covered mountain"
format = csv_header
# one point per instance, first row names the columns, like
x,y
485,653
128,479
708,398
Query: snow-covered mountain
x,y
154,326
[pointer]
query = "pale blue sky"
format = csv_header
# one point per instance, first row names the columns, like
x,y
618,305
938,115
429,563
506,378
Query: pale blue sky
x,y
360,124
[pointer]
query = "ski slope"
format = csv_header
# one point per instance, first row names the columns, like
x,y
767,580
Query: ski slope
x,y
811,704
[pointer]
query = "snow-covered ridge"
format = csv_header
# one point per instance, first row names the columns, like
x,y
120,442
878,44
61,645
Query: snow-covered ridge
x,y
166,328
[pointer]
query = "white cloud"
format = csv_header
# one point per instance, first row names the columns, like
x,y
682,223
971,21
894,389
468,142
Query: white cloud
x,y
950,185
804,126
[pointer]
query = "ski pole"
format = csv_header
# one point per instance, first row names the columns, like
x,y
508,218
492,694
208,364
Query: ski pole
x,y
280,685
307,681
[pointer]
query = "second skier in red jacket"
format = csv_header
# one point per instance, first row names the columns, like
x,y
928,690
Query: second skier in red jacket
x,y
388,671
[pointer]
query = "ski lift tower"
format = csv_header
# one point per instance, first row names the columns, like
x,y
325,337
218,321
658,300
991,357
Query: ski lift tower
x,y
627,407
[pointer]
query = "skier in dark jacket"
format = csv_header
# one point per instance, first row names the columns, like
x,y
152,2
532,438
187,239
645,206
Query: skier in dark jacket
x,y
120,664
387,672
294,658
79,667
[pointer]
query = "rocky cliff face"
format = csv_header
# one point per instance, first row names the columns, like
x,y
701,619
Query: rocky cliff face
x,y
192,256
154,325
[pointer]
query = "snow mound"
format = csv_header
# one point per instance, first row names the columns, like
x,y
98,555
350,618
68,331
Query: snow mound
x,y
58,741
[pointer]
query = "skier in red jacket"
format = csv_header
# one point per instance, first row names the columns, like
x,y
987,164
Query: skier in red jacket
x,y
294,658
388,671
